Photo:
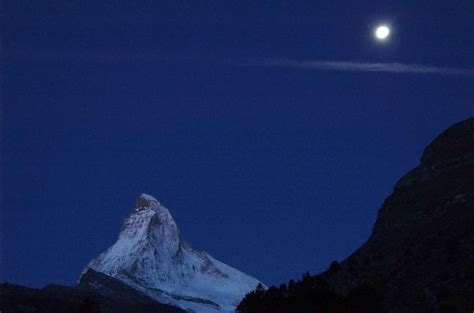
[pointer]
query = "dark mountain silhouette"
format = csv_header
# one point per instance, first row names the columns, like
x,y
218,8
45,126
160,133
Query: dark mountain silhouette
x,y
95,293
420,256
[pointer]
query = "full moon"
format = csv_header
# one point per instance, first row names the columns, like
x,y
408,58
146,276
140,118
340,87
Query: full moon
x,y
382,32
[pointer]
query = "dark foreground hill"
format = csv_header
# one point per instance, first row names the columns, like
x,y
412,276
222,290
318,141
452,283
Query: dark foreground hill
x,y
420,256
113,297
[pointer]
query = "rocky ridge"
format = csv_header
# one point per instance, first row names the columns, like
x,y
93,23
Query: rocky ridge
x,y
420,255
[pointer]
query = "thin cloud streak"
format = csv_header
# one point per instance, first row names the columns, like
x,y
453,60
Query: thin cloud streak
x,y
348,66
315,65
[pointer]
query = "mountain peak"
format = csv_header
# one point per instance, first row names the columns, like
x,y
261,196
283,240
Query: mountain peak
x,y
150,256
452,149
454,143
146,201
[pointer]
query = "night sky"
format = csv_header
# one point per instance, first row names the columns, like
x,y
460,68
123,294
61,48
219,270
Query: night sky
x,y
273,170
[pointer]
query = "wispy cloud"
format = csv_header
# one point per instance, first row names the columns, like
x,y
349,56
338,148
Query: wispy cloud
x,y
346,66
315,65
349,66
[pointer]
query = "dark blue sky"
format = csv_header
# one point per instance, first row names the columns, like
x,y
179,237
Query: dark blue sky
x,y
275,171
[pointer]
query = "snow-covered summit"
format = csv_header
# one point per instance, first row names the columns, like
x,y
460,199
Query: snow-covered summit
x,y
146,201
150,256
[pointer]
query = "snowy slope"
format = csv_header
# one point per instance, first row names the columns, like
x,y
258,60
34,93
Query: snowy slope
x,y
150,256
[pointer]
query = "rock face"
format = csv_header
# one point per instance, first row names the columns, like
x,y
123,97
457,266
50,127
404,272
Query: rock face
x,y
420,256
150,257
111,288
116,297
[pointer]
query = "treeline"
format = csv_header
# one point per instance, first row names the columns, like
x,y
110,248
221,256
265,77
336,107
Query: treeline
x,y
311,294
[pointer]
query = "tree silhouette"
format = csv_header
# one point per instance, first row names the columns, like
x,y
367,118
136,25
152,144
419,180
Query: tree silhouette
x,y
311,294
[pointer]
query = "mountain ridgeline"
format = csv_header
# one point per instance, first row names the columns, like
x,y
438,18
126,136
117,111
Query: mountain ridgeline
x,y
418,259
420,255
